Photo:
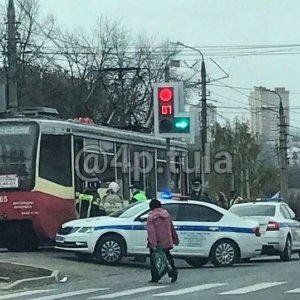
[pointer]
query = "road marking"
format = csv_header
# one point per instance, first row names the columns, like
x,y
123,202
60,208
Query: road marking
x,y
191,289
20,294
252,288
128,292
69,294
295,291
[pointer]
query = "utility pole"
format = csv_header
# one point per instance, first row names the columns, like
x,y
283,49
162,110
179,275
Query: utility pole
x,y
247,181
12,57
204,117
168,140
283,153
203,111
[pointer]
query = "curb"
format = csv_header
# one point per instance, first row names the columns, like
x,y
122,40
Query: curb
x,y
32,282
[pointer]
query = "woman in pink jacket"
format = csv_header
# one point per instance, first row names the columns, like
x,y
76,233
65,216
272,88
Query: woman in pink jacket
x,y
161,232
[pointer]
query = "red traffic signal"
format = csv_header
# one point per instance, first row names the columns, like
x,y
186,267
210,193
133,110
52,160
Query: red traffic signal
x,y
165,94
165,97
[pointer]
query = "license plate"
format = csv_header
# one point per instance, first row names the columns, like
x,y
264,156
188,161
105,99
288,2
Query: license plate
x,y
60,239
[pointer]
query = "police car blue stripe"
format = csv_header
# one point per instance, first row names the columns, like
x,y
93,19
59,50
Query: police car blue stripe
x,y
180,228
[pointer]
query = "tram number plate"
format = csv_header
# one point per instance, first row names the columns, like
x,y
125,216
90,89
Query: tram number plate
x,y
9,181
60,239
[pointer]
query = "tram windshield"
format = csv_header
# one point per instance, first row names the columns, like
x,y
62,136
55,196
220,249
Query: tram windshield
x,y
17,155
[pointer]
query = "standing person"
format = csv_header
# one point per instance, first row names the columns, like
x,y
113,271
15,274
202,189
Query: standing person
x,y
137,195
89,203
235,199
161,233
112,201
221,200
197,193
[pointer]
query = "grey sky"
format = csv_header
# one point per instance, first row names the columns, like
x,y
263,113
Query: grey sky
x,y
208,22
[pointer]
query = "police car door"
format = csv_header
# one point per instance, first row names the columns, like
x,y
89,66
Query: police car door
x,y
173,210
199,228
290,223
139,232
294,224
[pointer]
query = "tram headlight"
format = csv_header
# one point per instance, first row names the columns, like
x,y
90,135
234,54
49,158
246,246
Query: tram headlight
x,y
87,229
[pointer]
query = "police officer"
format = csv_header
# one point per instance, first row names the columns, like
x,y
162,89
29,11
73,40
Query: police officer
x,y
137,195
197,193
89,203
235,198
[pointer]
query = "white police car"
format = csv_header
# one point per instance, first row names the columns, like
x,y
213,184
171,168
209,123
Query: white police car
x,y
205,232
279,228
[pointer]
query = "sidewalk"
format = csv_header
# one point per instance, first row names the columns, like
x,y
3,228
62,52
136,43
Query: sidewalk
x,y
16,276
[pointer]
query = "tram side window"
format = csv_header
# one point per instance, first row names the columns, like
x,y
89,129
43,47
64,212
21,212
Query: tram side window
x,y
161,176
175,173
55,159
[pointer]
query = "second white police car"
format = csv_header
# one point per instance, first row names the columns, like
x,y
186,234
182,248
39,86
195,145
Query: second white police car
x,y
206,232
279,227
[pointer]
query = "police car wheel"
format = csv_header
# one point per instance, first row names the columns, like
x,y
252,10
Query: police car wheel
x,y
110,250
224,253
196,262
287,252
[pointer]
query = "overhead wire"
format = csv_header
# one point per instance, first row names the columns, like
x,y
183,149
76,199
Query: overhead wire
x,y
272,49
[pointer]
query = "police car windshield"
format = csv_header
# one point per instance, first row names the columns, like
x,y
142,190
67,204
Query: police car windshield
x,y
254,210
131,210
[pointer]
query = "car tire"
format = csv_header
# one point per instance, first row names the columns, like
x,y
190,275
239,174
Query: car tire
x,y
197,262
110,250
224,253
287,252
84,257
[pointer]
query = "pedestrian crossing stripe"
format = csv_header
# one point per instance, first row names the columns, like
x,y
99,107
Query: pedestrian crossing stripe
x,y
52,294
128,292
70,294
295,291
22,294
192,289
252,288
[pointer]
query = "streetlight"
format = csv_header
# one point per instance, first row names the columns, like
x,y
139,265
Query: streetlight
x,y
283,150
204,105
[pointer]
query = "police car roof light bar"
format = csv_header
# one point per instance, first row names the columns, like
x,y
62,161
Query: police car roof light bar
x,y
269,199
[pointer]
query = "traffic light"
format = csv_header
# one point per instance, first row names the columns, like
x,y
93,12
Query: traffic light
x,y
166,108
170,120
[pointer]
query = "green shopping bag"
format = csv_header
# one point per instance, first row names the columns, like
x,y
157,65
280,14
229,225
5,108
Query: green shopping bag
x,y
161,262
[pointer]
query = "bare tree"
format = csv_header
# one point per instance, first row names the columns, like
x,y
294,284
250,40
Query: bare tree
x,y
103,72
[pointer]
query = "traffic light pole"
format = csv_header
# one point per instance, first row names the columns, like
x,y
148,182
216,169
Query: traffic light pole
x,y
168,140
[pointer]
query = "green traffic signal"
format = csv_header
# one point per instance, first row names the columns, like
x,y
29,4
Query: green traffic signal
x,y
182,124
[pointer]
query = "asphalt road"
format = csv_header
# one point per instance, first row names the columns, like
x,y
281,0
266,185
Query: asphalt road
x,y
263,278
